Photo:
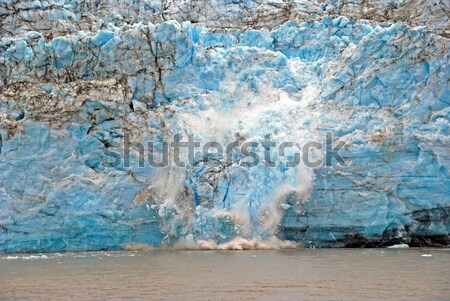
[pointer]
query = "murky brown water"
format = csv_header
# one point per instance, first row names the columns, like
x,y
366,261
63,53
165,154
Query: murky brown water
x,y
328,274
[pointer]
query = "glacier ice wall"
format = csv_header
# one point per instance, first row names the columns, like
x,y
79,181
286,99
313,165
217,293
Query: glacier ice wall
x,y
77,76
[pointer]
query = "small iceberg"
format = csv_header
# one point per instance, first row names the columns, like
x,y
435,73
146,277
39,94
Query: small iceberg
x,y
398,246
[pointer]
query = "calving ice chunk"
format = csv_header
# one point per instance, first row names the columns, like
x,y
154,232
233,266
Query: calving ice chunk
x,y
222,198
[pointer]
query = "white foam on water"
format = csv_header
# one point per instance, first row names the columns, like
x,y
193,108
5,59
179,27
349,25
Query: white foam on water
x,y
237,244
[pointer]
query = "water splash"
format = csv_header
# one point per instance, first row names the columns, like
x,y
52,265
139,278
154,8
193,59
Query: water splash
x,y
236,244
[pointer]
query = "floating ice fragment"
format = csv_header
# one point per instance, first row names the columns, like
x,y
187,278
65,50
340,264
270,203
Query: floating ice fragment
x,y
32,257
398,246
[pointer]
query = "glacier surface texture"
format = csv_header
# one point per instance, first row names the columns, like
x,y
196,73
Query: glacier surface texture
x,y
77,77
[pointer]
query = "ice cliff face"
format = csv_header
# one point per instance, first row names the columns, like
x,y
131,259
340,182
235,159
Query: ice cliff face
x,y
76,77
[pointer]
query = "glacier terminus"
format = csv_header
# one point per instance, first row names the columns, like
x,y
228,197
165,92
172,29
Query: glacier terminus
x,y
78,76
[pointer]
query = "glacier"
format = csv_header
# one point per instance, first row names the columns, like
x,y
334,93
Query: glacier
x,y
76,77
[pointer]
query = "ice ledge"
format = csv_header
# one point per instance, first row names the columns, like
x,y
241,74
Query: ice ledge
x,y
54,18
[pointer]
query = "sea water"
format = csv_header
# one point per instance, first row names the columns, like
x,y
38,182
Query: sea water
x,y
300,274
